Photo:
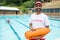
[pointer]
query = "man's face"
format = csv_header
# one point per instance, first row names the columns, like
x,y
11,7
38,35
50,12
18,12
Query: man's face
x,y
38,6
38,9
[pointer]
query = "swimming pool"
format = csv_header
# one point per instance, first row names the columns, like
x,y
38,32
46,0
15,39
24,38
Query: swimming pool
x,y
19,25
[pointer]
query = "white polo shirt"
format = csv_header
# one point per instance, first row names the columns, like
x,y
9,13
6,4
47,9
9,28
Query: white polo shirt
x,y
39,21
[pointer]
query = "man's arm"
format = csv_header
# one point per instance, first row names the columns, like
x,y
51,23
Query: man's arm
x,y
47,22
30,25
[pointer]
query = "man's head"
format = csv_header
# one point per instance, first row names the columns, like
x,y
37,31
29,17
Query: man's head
x,y
38,6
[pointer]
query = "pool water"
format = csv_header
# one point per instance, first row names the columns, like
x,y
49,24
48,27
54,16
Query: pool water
x,y
19,25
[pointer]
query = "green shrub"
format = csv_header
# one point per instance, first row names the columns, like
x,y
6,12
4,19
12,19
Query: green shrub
x,y
28,4
23,9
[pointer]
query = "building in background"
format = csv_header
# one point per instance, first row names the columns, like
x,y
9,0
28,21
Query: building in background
x,y
55,0
9,10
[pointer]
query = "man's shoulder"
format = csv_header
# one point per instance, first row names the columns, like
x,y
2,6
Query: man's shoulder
x,y
44,15
33,14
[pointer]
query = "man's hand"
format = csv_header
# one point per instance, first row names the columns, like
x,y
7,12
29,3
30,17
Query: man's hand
x,y
33,29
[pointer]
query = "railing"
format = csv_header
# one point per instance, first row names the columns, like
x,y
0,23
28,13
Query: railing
x,y
51,10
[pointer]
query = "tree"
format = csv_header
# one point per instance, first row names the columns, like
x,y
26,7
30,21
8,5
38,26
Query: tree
x,y
1,1
28,4
23,9
12,2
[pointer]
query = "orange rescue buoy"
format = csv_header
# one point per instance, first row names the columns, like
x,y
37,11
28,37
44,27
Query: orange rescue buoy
x,y
37,32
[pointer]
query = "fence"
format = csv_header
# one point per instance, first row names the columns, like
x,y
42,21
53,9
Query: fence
x,y
51,10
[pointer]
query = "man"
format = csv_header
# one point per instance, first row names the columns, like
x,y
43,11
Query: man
x,y
38,19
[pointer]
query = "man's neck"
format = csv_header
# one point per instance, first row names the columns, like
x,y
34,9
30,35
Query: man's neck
x,y
37,13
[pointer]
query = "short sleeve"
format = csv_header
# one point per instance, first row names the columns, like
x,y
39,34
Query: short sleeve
x,y
46,22
30,20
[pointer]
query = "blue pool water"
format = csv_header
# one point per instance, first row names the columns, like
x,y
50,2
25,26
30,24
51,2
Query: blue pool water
x,y
19,25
